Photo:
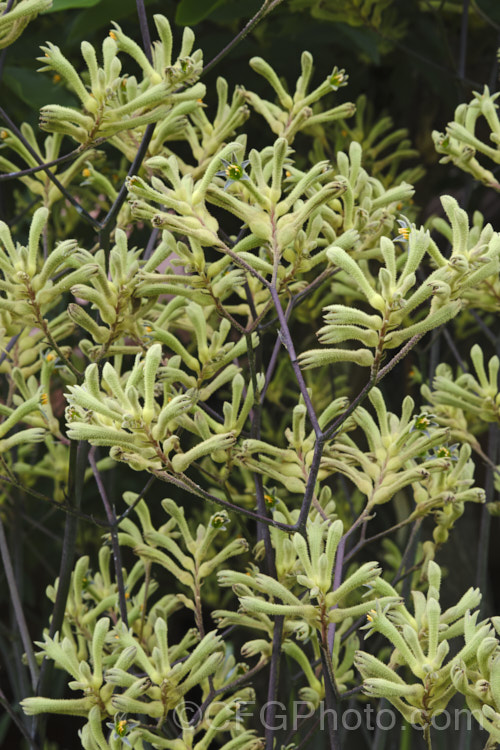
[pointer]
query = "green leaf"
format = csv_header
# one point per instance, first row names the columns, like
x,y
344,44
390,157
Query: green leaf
x,y
364,39
190,12
65,4
5,723
92,19
36,89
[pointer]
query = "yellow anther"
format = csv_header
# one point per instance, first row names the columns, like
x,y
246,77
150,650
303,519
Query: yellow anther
x,y
86,172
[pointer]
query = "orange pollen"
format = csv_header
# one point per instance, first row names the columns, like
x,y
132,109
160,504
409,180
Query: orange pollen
x,y
86,172
44,399
288,173
56,78
113,35
4,134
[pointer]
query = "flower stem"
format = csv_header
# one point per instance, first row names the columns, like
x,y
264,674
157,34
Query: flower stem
x,y
266,7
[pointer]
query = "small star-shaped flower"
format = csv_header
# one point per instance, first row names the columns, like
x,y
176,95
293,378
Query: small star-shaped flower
x,y
422,424
233,171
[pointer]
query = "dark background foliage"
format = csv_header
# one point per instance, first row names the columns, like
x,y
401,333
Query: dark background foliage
x,y
415,60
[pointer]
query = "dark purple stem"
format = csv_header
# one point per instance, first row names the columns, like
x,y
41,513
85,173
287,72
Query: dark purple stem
x,y
144,27
45,165
9,5
115,545
485,527
122,194
330,700
311,483
137,500
267,7
288,344
463,38
333,430
17,606
274,357
272,692
187,484
83,213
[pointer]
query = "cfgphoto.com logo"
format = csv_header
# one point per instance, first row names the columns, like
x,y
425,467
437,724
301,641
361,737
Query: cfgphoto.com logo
x,y
276,716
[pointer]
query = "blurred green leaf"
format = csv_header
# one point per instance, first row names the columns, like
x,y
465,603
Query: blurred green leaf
x,y
232,10
65,4
35,89
90,20
190,12
362,39
491,8
5,722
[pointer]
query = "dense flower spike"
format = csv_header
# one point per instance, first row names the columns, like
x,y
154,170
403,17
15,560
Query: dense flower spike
x,y
117,103
461,143
421,642
103,669
14,17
